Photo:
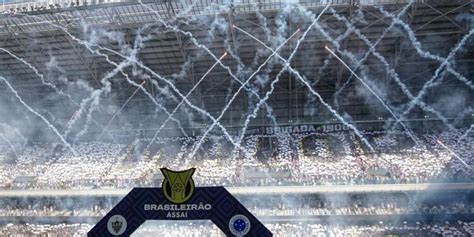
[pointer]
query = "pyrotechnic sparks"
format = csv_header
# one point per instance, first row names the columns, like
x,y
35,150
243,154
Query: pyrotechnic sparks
x,y
440,72
218,78
207,50
412,136
393,74
453,153
288,67
120,109
185,97
199,143
51,126
466,133
60,92
95,41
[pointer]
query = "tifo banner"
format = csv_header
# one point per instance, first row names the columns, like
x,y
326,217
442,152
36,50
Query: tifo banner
x,y
178,199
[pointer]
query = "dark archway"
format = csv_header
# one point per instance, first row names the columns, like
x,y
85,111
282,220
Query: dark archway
x,y
207,203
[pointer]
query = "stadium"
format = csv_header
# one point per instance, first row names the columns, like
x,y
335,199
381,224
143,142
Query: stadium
x,y
320,117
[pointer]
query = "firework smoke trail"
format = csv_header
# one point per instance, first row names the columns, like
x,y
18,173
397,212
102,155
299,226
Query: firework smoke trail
x,y
40,75
374,45
52,127
410,134
173,87
201,46
272,84
201,140
189,34
325,34
88,45
426,54
132,59
107,85
326,63
250,89
151,97
431,83
122,65
287,65
233,76
268,34
12,147
181,102
119,110
95,96
465,134
452,152
77,114
281,29
305,82
93,101
388,68
6,127
138,41
60,92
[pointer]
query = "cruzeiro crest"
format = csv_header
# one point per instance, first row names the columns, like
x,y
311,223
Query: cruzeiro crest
x,y
178,186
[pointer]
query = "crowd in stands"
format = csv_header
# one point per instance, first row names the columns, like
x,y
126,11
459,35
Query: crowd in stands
x,y
278,229
73,230
315,159
375,209
53,211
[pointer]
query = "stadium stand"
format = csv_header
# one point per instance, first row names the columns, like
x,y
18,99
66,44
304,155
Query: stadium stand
x,y
104,165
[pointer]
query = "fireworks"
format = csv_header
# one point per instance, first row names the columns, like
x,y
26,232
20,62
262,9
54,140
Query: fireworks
x,y
51,126
453,153
412,136
120,109
127,55
186,97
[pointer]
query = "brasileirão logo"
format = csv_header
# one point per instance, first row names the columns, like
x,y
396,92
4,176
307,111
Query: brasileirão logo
x,y
178,186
